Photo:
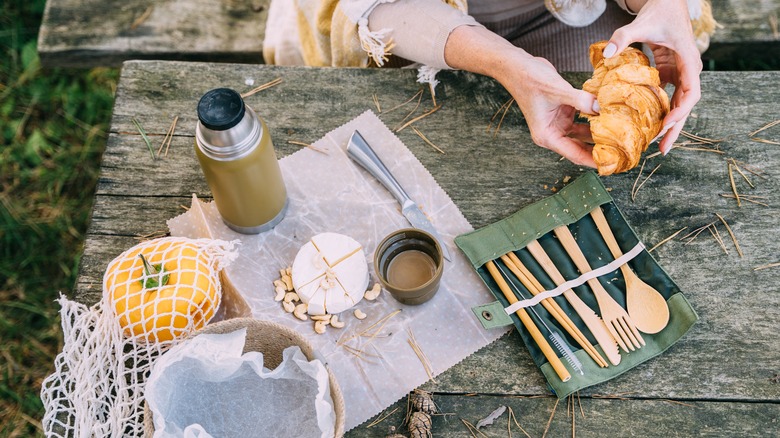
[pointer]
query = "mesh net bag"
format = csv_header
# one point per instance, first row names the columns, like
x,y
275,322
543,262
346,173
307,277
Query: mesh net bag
x,y
154,294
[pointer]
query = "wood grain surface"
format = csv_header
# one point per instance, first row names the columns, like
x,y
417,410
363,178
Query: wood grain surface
x,y
724,371
91,33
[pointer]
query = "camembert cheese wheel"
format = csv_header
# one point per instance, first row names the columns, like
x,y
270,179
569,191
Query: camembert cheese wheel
x,y
330,273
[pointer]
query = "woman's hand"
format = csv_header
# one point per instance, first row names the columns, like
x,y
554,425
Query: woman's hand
x,y
665,26
547,101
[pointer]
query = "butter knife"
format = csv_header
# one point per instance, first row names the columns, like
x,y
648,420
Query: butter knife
x,y
360,151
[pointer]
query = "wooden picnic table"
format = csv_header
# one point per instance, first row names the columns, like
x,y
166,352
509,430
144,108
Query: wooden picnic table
x,y
720,379
92,33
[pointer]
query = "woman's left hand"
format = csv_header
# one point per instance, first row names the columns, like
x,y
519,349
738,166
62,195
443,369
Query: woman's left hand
x,y
665,26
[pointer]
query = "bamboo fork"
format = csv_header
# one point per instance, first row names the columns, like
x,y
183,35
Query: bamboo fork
x,y
644,304
618,322
540,340
597,327
529,281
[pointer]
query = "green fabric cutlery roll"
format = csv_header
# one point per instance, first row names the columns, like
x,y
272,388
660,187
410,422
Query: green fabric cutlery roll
x,y
571,206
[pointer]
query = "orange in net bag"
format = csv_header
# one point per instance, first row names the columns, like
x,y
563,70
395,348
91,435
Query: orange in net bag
x,y
154,295
162,289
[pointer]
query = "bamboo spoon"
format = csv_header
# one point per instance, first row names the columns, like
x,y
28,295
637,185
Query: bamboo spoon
x,y
618,322
596,326
548,352
529,281
646,306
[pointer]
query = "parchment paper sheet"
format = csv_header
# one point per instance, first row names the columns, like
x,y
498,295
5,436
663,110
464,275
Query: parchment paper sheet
x,y
329,192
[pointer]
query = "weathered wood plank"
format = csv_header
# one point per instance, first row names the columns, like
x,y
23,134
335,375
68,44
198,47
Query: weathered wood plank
x,y
750,31
91,33
88,33
729,355
602,417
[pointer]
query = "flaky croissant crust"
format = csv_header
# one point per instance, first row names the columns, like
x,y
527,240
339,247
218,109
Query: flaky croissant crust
x,y
633,106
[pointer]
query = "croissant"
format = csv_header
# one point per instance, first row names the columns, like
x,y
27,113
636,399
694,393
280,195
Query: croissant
x,y
633,106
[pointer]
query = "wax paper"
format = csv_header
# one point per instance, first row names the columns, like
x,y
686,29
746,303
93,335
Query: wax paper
x,y
206,387
373,360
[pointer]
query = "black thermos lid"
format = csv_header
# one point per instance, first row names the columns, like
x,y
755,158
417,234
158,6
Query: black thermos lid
x,y
220,109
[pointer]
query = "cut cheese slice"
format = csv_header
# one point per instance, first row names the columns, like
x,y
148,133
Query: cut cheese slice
x,y
354,285
308,266
330,273
335,247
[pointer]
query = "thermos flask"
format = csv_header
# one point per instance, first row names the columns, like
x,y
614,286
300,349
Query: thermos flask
x,y
238,160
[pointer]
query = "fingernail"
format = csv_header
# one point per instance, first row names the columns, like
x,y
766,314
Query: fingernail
x,y
596,107
610,50
666,127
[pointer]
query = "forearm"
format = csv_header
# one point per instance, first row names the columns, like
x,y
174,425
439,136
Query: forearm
x,y
479,50
419,28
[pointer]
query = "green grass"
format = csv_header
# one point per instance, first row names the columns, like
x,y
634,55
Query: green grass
x,y
53,125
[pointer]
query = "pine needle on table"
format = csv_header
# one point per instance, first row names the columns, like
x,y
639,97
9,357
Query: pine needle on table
x,y
144,136
763,140
700,138
472,429
143,17
418,93
770,265
260,88
747,198
382,418
716,234
420,117
636,188
666,240
505,108
425,139
307,145
420,354
763,128
731,233
551,417
376,102
511,417
734,185
166,142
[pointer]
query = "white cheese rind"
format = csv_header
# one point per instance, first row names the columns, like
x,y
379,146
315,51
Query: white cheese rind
x,y
307,266
335,247
325,287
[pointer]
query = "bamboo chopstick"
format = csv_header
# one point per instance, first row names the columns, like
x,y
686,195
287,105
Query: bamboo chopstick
x,y
540,340
532,284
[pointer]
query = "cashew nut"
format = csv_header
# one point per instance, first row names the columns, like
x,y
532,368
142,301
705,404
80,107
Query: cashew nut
x,y
288,307
325,318
287,282
334,322
359,314
278,283
300,311
373,293
279,293
291,297
288,271
319,327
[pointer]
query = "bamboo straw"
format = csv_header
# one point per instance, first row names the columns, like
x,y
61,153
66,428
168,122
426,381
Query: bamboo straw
x,y
540,340
529,281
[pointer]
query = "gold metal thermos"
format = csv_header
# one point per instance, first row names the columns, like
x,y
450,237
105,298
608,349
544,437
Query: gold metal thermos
x,y
238,160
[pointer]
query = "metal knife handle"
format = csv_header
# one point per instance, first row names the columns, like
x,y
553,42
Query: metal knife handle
x,y
359,150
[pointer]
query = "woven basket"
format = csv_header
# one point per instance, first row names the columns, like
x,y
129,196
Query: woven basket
x,y
270,339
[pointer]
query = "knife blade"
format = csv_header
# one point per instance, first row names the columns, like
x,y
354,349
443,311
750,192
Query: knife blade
x,y
360,151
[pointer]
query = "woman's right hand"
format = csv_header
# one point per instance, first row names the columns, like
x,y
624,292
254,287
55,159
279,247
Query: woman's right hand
x,y
547,101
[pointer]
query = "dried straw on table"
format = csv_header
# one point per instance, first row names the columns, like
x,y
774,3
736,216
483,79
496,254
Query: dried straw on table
x,y
747,198
259,88
505,107
166,142
667,239
731,233
307,145
418,118
763,128
770,265
420,354
425,139
513,418
551,417
734,185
